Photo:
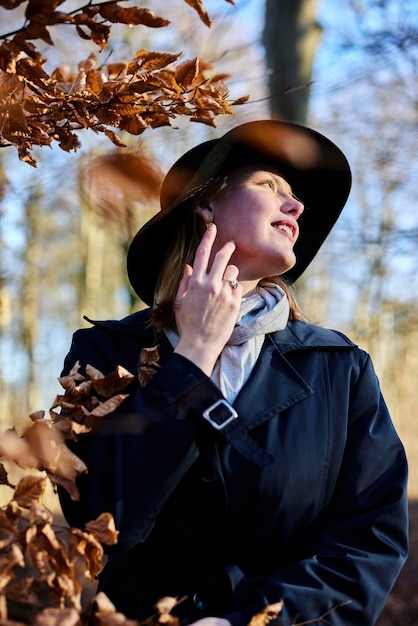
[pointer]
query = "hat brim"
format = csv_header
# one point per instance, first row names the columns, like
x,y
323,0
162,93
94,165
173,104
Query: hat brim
x,y
314,166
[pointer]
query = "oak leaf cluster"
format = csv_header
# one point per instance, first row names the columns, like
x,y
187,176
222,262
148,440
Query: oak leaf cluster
x,y
38,107
41,563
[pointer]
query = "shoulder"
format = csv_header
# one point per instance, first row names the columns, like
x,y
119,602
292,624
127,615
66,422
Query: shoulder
x,y
137,324
300,335
108,343
309,347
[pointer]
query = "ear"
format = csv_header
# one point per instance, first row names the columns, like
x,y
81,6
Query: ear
x,y
205,211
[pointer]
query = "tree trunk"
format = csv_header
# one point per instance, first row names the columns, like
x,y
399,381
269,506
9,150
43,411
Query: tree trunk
x,y
290,37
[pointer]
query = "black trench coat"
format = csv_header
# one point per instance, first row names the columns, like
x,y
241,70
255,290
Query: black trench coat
x,y
301,498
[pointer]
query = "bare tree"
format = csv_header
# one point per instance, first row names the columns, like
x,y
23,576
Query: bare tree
x,y
291,35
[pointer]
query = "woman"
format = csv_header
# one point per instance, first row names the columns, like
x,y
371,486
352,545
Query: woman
x,y
259,463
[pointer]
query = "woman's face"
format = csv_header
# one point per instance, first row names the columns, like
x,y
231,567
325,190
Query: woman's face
x,y
258,211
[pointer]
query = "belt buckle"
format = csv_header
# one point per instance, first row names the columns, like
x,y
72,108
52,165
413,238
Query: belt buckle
x,y
219,421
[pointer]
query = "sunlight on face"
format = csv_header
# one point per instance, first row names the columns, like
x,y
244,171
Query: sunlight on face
x,y
258,211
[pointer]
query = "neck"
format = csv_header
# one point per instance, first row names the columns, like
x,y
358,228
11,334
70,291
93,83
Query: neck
x,y
248,286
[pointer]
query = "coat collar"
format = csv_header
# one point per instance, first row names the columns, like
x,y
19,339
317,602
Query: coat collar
x,y
262,389
274,384
298,335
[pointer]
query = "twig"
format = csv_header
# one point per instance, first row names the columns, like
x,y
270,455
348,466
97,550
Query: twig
x,y
322,617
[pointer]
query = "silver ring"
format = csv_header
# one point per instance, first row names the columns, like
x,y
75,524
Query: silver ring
x,y
233,284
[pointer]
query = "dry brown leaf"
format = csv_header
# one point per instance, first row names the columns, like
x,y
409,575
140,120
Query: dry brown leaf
x,y
19,589
68,464
57,617
151,61
150,356
187,72
66,589
114,382
9,517
133,16
9,83
69,382
16,449
37,557
103,528
68,427
4,478
203,117
5,578
114,180
145,375
15,556
241,100
7,537
37,415
198,6
148,365
103,605
165,604
134,125
110,405
162,613
67,484
76,412
271,612
48,532
88,546
30,489
16,119
114,138
39,514
93,373
44,440
105,613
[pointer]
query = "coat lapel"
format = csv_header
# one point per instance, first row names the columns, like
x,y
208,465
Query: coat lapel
x,y
273,386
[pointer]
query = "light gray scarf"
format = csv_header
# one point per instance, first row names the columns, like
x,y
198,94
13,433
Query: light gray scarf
x,y
262,312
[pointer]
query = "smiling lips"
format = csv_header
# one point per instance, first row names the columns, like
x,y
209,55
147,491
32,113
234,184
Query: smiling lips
x,y
288,228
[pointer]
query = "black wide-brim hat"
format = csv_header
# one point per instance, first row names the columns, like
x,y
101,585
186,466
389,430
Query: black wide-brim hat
x,y
314,166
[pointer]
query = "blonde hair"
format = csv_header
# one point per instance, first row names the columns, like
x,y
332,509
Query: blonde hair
x,y
183,249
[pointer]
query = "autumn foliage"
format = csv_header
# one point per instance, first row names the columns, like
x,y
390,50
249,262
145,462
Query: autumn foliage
x,y
43,565
38,108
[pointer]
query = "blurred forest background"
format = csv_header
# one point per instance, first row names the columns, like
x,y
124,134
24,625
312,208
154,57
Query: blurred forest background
x,y
65,226
349,68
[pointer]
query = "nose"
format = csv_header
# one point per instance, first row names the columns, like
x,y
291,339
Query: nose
x,y
292,206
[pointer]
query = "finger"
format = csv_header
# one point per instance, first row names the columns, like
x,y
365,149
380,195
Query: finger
x,y
182,290
203,252
221,260
231,272
233,285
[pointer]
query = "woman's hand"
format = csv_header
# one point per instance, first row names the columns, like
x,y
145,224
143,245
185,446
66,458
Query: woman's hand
x,y
207,306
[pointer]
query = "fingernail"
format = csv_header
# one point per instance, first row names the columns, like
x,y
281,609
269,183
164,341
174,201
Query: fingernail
x,y
209,225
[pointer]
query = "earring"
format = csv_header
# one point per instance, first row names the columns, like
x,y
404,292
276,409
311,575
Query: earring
x,y
209,224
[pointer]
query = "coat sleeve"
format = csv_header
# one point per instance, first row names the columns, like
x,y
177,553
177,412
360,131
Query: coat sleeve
x,y
133,463
363,542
